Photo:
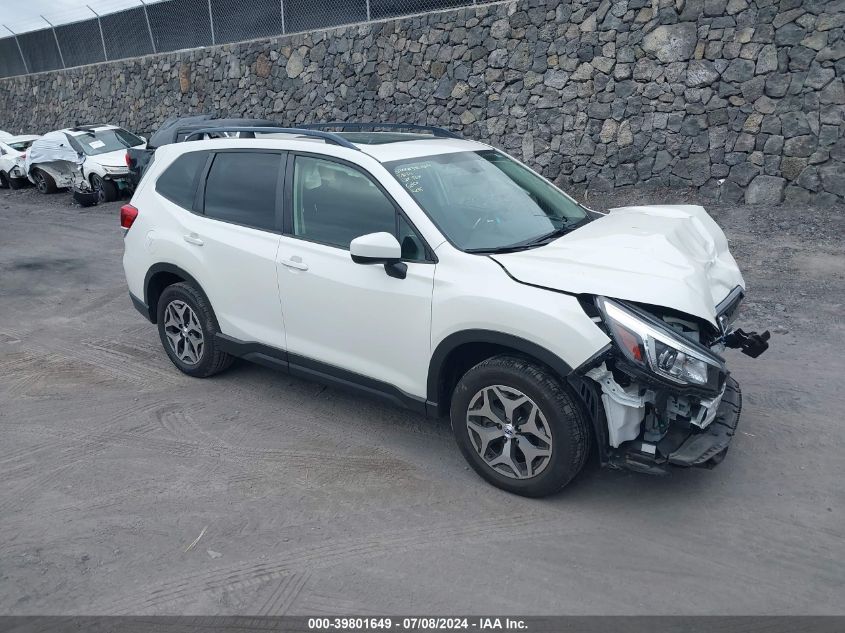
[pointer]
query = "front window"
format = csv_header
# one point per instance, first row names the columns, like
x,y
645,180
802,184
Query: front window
x,y
103,141
334,203
485,201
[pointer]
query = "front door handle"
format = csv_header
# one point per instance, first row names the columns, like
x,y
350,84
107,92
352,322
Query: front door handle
x,y
295,262
194,239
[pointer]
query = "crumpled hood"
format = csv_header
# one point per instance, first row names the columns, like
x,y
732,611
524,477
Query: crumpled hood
x,y
673,256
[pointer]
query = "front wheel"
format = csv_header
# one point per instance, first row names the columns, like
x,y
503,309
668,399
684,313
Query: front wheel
x,y
106,190
519,427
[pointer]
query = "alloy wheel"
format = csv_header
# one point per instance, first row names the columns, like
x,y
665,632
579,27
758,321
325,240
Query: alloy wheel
x,y
40,182
509,431
97,186
183,331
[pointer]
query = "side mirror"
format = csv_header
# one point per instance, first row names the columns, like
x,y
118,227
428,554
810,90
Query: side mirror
x,y
379,248
375,248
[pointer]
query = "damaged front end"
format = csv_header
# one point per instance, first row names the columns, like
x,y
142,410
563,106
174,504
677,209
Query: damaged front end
x,y
660,395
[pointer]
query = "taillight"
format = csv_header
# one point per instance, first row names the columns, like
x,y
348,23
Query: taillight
x,y
129,161
128,213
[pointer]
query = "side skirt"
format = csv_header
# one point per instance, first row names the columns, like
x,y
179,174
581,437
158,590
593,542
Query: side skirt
x,y
310,369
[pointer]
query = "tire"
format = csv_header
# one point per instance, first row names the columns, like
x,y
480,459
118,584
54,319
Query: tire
x,y
181,348
107,191
4,180
44,181
561,440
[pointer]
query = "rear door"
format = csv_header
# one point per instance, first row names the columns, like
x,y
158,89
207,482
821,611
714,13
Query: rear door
x,y
234,236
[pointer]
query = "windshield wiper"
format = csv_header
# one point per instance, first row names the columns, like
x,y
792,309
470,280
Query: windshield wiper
x,y
541,240
521,246
550,236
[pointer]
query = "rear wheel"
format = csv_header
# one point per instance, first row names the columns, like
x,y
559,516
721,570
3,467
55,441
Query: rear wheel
x,y
44,181
4,180
106,190
519,427
186,327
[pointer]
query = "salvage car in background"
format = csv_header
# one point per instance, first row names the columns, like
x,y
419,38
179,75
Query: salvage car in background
x,y
176,129
53,160
12,157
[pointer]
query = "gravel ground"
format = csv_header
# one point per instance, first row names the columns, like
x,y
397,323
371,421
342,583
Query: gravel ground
x,y
310,500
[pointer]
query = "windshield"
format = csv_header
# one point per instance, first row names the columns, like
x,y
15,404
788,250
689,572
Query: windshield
x,y
103,141
485,201
21,145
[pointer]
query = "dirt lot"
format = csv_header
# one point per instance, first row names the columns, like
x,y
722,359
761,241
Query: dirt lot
x,y
310,500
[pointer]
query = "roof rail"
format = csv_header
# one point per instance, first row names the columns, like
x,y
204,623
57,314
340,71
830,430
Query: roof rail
x,y
328,137
373,126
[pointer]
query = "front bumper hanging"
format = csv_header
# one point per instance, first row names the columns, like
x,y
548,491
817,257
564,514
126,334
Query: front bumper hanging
x,y
686,447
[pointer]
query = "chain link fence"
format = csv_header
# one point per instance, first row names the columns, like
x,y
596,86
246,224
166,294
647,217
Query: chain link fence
x,y
170,25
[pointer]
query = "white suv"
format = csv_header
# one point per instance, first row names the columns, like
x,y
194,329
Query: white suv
x,y
447,277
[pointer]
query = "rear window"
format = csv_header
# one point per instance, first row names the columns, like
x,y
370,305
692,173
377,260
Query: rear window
x,y
241,188
21,145
178,183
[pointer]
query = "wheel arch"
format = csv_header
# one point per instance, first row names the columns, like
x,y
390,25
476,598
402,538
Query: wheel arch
x,y
462,350
44,167
159,277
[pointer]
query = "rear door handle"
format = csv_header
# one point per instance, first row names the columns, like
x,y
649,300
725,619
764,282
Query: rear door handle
x,y
193,239
295,262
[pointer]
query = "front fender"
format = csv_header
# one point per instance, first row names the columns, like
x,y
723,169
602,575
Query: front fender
x,y
475,301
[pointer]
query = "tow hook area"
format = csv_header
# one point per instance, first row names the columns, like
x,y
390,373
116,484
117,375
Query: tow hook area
x,y
751,343
651,429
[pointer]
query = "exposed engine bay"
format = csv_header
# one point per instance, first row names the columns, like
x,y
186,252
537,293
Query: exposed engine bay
x,y
666,395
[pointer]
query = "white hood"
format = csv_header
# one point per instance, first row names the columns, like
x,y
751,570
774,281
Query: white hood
x,y
674,256
116,158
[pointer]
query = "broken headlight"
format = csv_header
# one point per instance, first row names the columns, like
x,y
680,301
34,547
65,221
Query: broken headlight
x,y
651,345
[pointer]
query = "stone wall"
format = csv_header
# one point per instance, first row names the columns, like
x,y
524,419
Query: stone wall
x,y
742,99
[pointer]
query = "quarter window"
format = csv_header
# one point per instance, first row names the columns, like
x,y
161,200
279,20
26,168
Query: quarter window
x,y
178,183
241,188
413,248
333,203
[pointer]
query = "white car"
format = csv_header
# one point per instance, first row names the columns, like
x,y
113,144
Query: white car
x,y
53,161
447,277
12,155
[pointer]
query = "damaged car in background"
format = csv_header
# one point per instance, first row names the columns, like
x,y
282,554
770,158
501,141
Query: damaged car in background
x,y
12,160
53,161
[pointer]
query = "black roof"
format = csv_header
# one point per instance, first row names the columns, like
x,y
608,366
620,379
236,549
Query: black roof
x,y
175,129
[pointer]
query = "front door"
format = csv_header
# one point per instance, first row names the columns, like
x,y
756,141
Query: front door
x,y
343,315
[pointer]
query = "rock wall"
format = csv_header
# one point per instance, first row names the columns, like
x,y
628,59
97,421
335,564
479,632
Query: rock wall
x,y
742,99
